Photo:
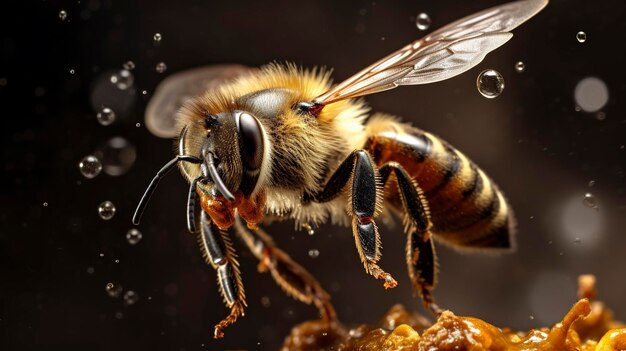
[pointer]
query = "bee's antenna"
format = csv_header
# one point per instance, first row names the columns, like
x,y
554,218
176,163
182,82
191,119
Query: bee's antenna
x,y
219,183
155,181
191,206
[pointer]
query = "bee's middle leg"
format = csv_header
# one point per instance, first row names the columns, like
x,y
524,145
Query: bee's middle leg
x,y
358,173
420,250
289,275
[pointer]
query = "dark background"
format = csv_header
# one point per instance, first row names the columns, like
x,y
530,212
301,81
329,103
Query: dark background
x,y
55,260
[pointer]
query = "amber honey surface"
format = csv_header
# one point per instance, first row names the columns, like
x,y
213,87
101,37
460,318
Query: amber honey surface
x,y
588,326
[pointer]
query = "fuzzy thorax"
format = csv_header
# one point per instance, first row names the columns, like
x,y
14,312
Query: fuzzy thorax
x,y
302,150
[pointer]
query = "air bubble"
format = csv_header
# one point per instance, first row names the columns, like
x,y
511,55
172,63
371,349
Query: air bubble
x,y
265,301
423,21
133,236
118,155
519,66
314,253
90,166
106,116
123,79
113,289
106,210
591,183
600,116
157,38
490,83
161,67
62,15
45,204
137,124
591,94
130,298
129,65
581,36
308,228
590,201
72,71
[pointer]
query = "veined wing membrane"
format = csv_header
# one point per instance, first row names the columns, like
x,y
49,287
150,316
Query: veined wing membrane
x,y
443,54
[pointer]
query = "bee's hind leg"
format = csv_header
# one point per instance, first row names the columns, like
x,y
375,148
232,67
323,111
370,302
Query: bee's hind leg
x,y
219,253
359,174
289,275
420,251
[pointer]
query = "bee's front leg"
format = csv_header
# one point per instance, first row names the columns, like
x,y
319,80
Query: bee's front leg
x,y
358,173
289,275
219,253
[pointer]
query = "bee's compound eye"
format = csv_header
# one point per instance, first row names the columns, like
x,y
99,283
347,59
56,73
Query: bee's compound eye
x,y
251,136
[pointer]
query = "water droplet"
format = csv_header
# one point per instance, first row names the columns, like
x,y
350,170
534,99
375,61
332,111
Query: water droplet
x,y
581,36
90,270
90,166
600,116
490,83
118,155
106,116
591,94
265,301
590,201
129,65
423,21
62,15
117,261
72,71
101,254
130,298
106,210
137,124
119,315
133,236
308,228
144,92
531,317
314,253
157,38
45,204
591,183
113,289
123,79
161,67
520,66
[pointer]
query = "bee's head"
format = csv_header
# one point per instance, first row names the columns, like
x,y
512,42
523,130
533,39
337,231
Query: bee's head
x,y
232,150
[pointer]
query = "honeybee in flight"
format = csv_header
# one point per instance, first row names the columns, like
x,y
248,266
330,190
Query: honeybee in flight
x,y
282,142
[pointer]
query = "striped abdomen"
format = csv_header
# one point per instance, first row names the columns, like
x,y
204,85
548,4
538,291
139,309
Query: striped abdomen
x,y
466,207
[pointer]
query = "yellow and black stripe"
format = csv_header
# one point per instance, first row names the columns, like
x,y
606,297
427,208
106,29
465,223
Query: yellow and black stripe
x,y
466,207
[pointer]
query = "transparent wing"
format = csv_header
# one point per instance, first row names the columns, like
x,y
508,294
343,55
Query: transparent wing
x,y
173,91
440,55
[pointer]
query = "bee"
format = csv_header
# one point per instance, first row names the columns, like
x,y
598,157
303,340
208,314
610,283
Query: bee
x,y
283,143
